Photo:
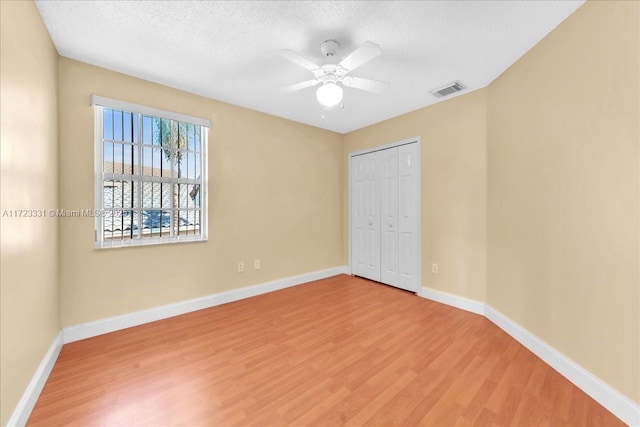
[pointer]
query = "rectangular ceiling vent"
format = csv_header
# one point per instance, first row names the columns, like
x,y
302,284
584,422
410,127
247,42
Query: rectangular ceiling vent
x,y
447,90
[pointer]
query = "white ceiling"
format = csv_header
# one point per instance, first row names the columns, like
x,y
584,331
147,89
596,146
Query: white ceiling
x,y
228,50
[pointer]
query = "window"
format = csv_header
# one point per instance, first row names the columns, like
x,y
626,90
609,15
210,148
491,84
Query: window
x,y
150,175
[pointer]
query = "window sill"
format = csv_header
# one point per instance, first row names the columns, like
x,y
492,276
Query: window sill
x,y
149,242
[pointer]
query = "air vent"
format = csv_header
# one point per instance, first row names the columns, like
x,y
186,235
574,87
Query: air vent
x,y
447,90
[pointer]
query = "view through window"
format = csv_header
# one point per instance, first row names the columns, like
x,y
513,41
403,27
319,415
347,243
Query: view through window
x,y
151,186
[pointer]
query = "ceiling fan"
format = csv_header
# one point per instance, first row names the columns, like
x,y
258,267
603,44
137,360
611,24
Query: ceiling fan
x,y
331,75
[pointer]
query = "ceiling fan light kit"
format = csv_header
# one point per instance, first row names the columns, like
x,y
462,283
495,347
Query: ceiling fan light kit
x,y
329,94
331,77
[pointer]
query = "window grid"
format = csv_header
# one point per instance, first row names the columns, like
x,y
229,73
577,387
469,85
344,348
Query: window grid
x,y
139,191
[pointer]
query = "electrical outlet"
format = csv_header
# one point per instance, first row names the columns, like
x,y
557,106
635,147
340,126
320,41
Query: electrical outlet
x,y
240,267
434,268
256,264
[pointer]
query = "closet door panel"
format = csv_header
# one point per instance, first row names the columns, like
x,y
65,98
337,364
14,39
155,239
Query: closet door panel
x,y
365,220
408,215
389,217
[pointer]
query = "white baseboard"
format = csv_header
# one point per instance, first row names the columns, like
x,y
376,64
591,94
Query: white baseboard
x,y
619,405
21,413
111,324
453,300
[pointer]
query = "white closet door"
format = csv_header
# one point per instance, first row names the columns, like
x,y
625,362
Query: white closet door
x,y
389,217
408,216
365,221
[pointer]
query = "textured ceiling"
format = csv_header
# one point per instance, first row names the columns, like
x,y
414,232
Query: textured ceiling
x,y
228,50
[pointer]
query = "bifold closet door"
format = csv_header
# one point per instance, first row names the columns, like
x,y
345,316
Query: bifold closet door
x,y
365,216
385,216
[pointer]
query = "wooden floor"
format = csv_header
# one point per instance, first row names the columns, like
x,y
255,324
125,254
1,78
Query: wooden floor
x,y
339,351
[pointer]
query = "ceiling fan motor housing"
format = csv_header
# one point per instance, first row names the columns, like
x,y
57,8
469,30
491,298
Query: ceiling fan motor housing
x,y
327,70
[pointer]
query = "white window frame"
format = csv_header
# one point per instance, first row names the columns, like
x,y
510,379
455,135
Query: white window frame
x,y
99,103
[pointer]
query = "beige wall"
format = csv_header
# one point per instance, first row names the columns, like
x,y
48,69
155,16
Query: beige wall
x,y
563,196
29,180
275,190
454,188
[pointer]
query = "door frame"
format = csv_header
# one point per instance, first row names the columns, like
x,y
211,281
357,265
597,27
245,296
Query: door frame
x,y
414,140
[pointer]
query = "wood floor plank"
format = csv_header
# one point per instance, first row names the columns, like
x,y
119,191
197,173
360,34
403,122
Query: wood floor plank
x,y
338,351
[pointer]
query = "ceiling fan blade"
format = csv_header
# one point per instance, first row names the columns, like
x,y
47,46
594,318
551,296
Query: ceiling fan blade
x,y
301,85
369,85
298,59
365,53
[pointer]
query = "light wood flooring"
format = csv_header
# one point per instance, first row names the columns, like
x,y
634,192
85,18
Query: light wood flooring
x,y
339,351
